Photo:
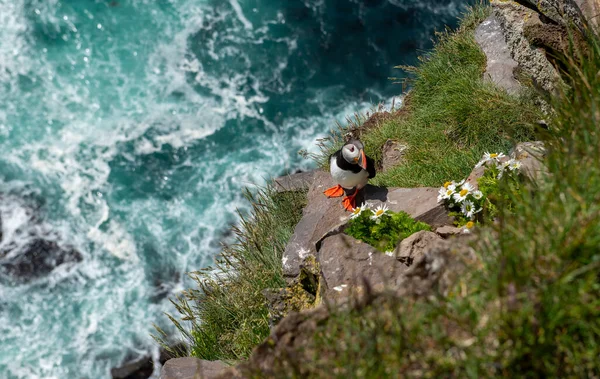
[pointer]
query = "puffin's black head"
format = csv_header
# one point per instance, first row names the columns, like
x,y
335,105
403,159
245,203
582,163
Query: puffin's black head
x,y
353,152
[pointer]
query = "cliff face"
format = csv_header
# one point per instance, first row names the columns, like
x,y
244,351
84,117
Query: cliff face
x,y
357,293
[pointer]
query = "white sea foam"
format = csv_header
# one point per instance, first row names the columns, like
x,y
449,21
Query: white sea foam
x,y
13,46
240,14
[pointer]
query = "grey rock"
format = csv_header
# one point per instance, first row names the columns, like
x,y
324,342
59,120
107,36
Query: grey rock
x,y
531,59
474,176
590,10
421,203
447,231
191,368
524,149
348,265
437,269
531,155
320,216
140,368
393,153
414,246
295,182
500,65
33,249
38,258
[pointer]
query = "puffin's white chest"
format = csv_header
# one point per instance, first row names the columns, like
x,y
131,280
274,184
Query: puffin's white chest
x,y
348,179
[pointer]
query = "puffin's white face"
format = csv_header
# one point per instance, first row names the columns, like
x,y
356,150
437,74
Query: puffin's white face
x,y
351,153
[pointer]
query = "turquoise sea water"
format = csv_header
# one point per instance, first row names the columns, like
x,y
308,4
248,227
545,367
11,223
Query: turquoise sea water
x,y
128,128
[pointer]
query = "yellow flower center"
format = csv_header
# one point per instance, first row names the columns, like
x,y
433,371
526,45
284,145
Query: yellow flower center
x,y
356,211
449,192
379,212
470,224
447,184
494,155
464,192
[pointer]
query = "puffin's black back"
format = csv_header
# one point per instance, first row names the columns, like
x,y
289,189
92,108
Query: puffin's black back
x,y
370,167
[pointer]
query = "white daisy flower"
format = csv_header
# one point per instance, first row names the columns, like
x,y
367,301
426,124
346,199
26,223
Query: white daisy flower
x,y
514,165
490,157
380,211
445,193
450,185
477,195
496,156
358,210
480,163
441,193
461,195
468,208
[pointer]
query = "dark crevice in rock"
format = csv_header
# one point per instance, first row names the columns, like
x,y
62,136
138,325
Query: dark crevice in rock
x,y
310,283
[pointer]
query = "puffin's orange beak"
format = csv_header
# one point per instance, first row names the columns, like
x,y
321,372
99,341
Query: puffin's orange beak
x,y
363,160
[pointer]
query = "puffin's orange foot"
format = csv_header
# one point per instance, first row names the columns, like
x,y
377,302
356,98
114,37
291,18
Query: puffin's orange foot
x,y
336,191
349,202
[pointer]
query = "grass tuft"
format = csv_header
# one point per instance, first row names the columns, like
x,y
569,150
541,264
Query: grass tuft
x,y
226,316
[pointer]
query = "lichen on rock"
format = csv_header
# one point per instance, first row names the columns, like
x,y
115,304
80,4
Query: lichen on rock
x,y
299,294
513,18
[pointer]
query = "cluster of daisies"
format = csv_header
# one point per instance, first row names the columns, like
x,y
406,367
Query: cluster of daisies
x,y
375,213
497,162
462,197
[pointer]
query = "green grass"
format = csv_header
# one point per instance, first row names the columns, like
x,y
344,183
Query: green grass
x,y
451,116
226,316
387,231
530,306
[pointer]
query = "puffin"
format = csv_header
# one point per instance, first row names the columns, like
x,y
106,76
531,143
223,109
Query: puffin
x,y
351,169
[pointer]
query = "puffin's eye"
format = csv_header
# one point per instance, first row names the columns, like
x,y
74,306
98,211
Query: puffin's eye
x,y
352,149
